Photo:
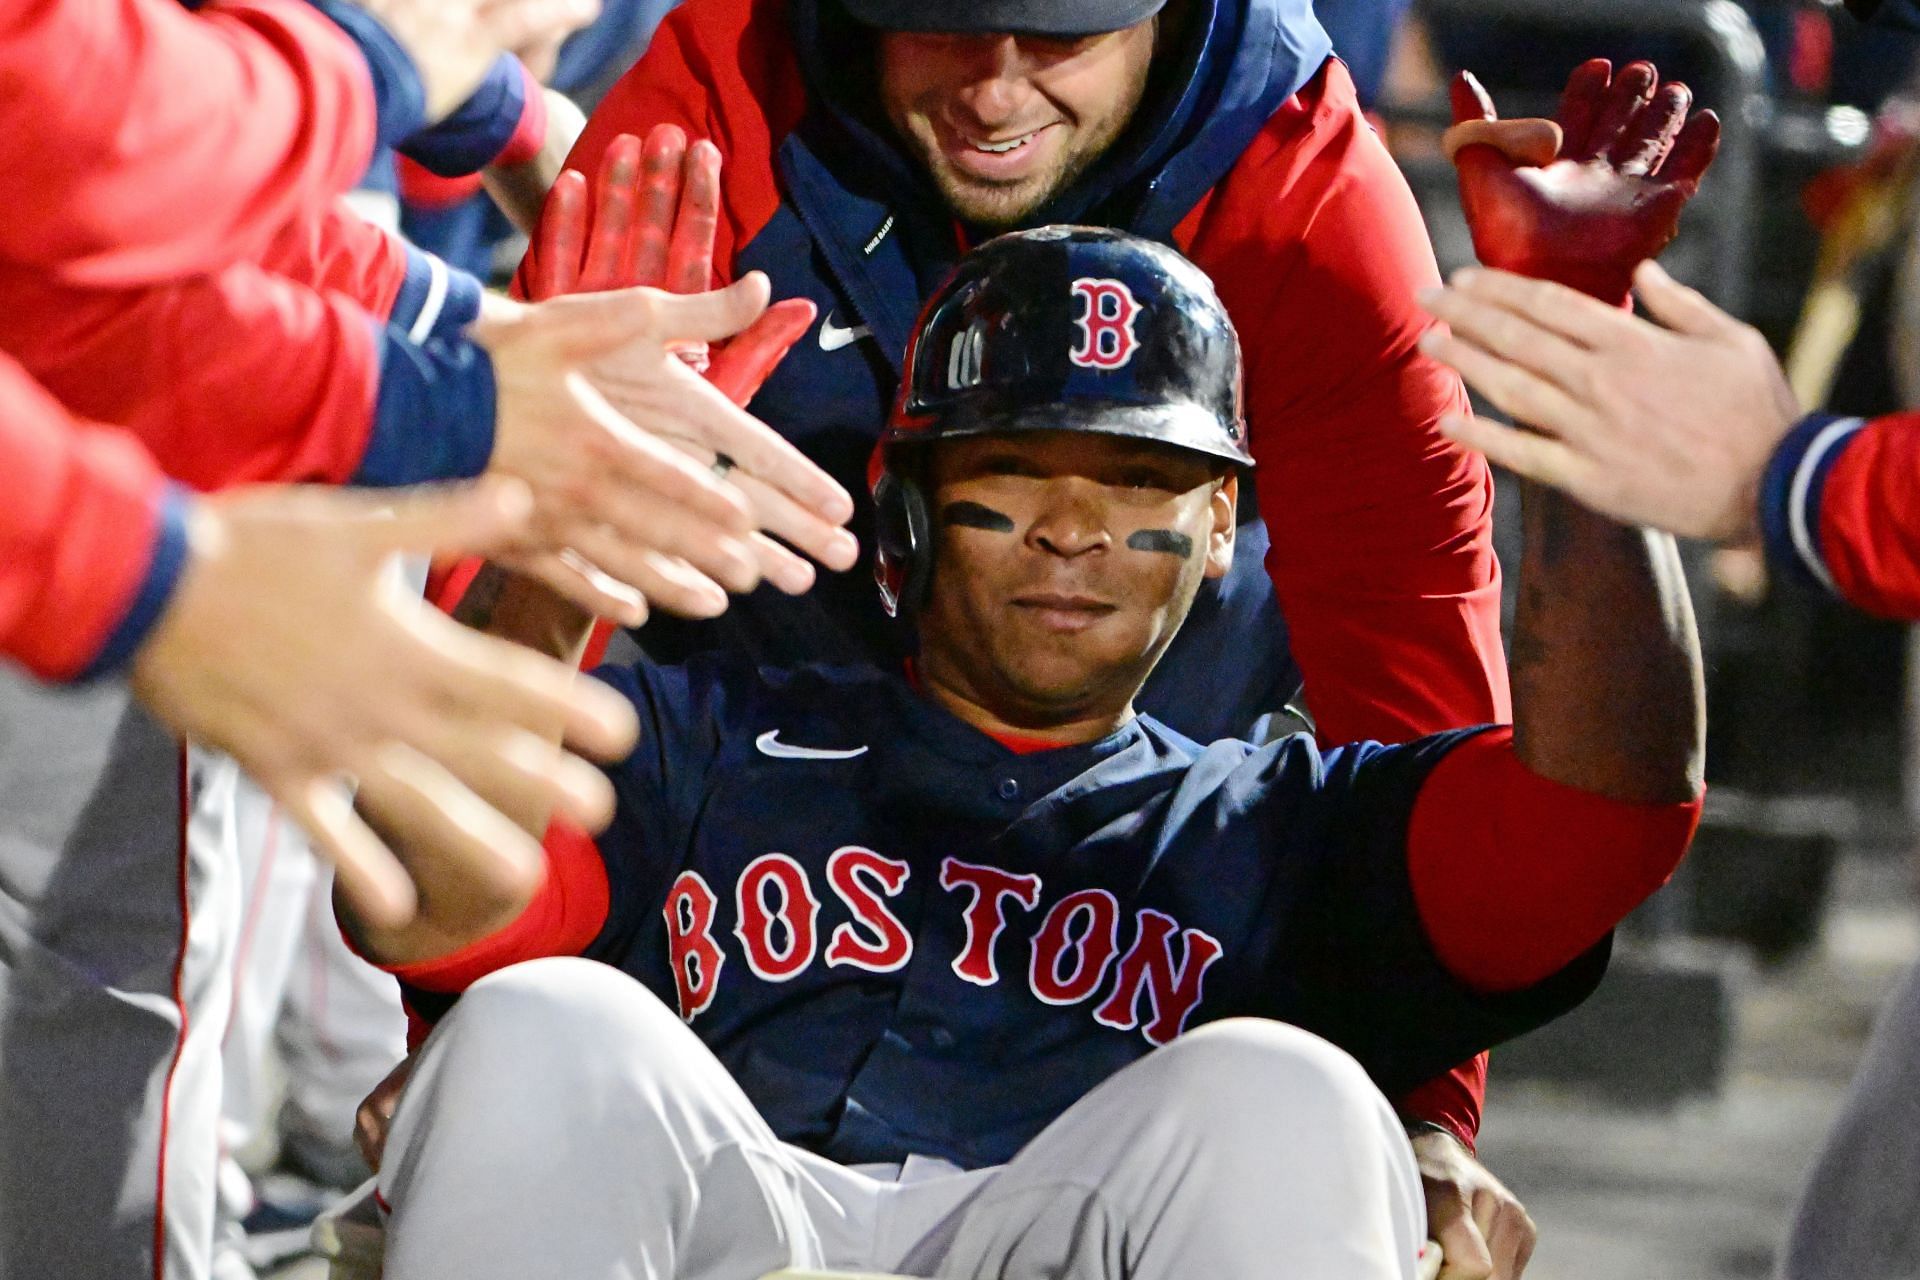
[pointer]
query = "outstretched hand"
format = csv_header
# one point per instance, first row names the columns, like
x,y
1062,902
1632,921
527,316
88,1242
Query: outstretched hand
x,y
651,220
288,646
1583,200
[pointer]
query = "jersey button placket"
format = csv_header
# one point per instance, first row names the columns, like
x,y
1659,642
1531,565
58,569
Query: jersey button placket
x,y
1008,789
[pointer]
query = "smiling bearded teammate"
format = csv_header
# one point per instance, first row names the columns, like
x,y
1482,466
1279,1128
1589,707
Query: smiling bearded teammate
x,y
899,966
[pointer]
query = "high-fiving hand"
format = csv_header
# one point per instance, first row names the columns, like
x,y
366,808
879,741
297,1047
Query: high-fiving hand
x,y
1666,424
288,645
1608,196
653,219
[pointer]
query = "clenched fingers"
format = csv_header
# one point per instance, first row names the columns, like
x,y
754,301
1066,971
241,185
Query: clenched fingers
x,y
1464,1254
375,1114
1510,1235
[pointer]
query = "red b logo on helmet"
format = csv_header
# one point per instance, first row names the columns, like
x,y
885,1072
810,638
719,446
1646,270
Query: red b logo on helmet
x,y
1106,330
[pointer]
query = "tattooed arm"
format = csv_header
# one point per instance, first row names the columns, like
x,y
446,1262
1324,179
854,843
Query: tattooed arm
x,y
1524,851
1608,693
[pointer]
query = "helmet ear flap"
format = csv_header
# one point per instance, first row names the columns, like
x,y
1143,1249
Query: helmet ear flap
x,y
903,560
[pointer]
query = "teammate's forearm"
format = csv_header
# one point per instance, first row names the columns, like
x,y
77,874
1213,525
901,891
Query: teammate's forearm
x,y
513,607
1608,692
520,189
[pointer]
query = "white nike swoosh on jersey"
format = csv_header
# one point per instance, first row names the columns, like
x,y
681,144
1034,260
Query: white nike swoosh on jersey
x,y
770,745
833,336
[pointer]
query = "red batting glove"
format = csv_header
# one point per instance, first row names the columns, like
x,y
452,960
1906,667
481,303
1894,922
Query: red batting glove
x,y
655,211
651,220
1587,211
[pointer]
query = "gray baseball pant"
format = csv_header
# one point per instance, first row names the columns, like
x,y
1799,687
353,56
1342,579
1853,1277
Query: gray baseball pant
x,y
562,1121
1859,1217
113,994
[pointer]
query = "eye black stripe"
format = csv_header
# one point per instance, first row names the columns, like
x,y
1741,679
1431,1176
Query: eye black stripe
x,y
1166,540
972,515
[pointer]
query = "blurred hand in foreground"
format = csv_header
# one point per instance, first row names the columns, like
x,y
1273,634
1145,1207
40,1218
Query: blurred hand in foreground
x,y
287,646
1669,425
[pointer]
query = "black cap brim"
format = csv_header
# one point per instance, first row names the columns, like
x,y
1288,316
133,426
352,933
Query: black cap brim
x,y
1024,17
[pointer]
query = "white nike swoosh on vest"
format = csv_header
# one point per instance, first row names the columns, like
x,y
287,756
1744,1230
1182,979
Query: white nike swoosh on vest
x,y
833,337
770,745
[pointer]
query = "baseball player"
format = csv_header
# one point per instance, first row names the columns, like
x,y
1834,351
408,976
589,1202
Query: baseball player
x,y
869,143
955,969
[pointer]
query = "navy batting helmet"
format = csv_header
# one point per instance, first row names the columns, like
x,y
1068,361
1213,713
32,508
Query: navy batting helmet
x,y
1060,328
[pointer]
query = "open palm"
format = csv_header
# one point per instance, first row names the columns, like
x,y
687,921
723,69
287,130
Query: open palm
x,y
1607,197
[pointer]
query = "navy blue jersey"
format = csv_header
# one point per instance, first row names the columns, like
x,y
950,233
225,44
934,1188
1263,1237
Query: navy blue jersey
x,y
901,936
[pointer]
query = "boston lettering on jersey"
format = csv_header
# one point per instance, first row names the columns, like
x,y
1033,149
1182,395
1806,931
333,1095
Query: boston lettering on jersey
x,y
902,936
1071,951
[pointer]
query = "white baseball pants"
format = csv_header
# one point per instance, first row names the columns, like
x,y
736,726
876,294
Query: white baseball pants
x,y
562,1121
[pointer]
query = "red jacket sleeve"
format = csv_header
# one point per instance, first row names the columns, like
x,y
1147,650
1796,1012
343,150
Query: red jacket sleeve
x,y
1382,529
227,378
91,535
333,248
1840,503
163,142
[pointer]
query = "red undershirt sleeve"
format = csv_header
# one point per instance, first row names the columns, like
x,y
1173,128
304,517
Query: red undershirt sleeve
x,y
1515,876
